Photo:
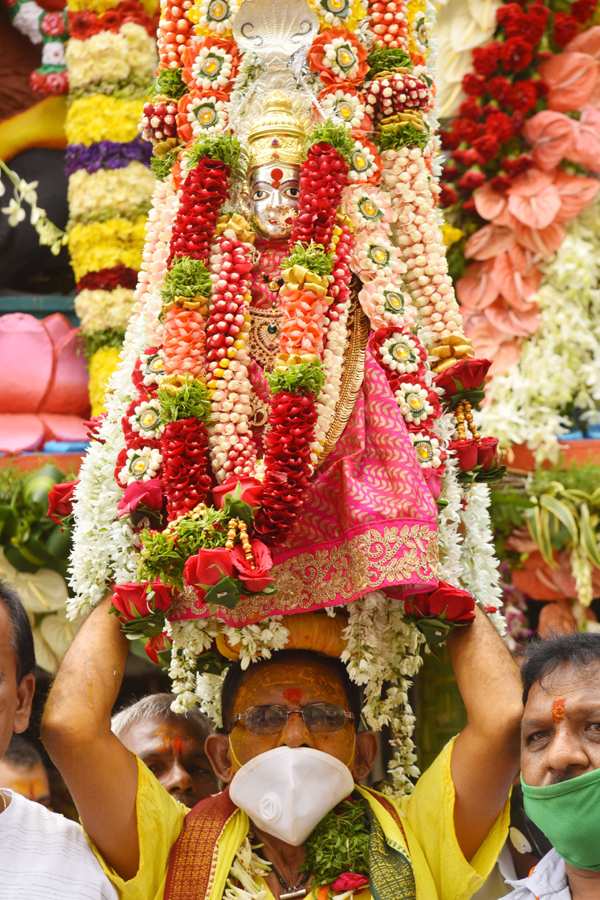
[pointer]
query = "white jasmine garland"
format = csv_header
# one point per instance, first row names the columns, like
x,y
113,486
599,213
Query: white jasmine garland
x,y
343,107
413,403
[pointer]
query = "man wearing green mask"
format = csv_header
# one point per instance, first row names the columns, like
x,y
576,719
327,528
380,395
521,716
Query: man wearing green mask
x,y
560,766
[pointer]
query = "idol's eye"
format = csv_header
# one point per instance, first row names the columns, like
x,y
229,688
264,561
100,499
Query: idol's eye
x,y
292,192
260,194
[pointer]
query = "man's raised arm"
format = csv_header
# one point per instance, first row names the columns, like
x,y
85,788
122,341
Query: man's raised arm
x,y
100,773
485,756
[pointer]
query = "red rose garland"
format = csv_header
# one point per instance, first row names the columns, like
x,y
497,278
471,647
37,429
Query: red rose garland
x,y
287,463
204,191
184,446
323,177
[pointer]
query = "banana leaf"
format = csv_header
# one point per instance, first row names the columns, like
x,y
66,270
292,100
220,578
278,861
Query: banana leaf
x,y
589,537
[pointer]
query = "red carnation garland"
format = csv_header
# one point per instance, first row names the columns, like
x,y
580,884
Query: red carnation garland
x,y
109,279
204,192
184,449
287,463
323,177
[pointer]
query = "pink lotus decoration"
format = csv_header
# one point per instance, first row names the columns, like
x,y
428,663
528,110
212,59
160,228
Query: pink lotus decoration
x,y
43,382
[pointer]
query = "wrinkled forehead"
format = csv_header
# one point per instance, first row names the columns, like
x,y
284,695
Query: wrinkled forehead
x,y
160,734
578,686
301,681
275,174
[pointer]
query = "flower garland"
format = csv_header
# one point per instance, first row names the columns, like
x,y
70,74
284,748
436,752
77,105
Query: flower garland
x,y
110,59
50,29
519,149
185,406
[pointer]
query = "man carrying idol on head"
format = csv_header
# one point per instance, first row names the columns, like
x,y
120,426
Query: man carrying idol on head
x,y
260,499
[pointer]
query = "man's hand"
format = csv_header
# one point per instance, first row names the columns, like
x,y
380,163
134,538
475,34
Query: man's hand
x,y
485,756
100,773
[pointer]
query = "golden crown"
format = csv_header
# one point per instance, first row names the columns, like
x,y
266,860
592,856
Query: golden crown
x,y
278,136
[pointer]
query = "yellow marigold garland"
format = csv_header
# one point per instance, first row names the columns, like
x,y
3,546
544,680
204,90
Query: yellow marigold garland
x,y
102,245
102,365
100,118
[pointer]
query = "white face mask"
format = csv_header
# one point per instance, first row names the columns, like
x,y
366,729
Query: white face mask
x,y
287,791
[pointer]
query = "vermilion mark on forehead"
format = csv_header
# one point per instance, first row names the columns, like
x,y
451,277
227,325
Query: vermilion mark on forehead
x,y
178,745
558,709
294,695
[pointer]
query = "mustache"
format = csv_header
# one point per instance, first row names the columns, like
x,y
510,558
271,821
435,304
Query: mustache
x,y
563,776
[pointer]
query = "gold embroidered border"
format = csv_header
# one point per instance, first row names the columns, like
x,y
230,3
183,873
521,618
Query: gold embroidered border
x,y
318,578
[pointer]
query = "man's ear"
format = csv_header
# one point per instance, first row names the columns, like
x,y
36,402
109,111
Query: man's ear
x,y
25,693
217,750
367,749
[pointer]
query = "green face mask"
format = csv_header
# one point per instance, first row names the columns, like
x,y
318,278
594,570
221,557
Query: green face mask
x,y
568,813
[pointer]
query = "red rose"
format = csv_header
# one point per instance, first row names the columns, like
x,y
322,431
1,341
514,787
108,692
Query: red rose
x,y
530,25
471,180
470,109
488,146
433,480
131,600
148,493
469,206
473,85
516,165
208,567
486,59
449,140
500,126
470,373
448,196
157,645
251,490
60,501
257,578
466,453
447,602
516,54
487,453
524,96
53,24
349,881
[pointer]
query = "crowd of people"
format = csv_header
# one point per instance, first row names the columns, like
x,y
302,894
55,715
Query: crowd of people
x,y
165,800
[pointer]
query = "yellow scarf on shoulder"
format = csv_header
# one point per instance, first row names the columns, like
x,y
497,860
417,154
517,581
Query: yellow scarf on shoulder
x,y
213,831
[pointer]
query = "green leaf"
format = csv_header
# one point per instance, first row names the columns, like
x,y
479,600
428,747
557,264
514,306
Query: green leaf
x,y
111,337
235,508
313,257
225,593
143,626
385,60
562,512
37,486
162,167
402,134
303,378
538,528
225,147
170,83
588,537
186,278
435,630
337,135
190,401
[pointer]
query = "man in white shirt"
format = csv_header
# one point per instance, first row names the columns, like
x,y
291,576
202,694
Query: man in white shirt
x,y
560,766
42,855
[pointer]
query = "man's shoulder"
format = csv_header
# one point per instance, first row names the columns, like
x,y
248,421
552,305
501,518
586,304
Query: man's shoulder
x,y
548,879
27,814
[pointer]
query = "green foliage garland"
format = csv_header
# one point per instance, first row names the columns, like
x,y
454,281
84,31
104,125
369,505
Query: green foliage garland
x,y
339,843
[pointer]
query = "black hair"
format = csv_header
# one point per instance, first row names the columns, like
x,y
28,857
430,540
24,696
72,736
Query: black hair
x,y
21,753
235,675
157,706
544,656
22,637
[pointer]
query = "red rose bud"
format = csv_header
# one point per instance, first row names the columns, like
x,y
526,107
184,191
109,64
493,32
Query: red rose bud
x,y
466,453
251,491
487,453
447,602
257,578
147,493
349,881
156,645
464,375
208,567
131,600
433,480
60,501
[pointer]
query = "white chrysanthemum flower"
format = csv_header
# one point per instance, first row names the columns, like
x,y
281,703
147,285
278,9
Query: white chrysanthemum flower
x,y
413,403
218,15
427,448
401,354
146,419
344,107
142,465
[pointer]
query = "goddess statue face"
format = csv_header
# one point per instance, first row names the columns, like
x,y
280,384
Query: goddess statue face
x,y
274,190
